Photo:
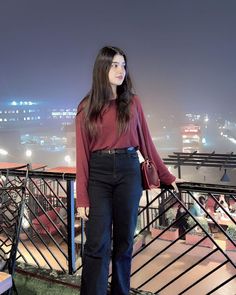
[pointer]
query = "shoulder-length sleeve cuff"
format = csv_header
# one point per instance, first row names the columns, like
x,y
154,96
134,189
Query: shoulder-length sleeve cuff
x,y
82,202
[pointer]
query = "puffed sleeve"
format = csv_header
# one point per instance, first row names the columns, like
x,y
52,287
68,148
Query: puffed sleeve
x,y
82,161
165,176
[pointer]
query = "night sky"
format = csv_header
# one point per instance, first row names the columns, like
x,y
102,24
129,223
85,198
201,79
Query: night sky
x,y
181,53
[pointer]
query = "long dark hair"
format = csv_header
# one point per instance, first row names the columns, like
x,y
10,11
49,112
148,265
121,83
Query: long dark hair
x,y
101,92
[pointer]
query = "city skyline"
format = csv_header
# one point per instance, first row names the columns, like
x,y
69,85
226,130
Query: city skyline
x,y
24,126
29,141
181,54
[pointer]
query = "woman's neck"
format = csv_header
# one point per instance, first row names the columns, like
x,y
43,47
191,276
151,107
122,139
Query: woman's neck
x,y
114,93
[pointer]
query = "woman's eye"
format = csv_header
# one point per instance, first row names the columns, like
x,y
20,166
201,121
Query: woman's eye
x,y
114,65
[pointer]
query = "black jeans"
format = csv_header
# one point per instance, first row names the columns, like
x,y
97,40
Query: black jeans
x,y
114,193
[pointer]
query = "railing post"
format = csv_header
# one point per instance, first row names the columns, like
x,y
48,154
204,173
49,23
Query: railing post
x,y
71,226
179,167
31,203
147,210
82,238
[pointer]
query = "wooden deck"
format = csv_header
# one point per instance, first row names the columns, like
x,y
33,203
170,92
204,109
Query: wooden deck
x,y
171,272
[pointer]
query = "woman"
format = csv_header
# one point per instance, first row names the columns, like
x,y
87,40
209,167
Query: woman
x,y
108,172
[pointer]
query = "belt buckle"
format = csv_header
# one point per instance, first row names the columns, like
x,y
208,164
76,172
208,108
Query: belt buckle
x,y
130,149
111,152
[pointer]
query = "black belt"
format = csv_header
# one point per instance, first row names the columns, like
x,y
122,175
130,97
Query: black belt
x,y
116,151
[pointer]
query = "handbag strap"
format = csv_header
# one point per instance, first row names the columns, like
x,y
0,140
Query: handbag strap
x,y
141,140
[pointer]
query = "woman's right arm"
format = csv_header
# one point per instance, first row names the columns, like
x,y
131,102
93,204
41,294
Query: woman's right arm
x,y
82,162
83,212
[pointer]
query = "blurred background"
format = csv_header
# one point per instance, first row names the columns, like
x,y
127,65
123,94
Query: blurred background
x,y
181,57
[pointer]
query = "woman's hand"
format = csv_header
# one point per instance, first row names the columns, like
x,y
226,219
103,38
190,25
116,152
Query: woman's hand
x,y
83,212
175,186
174,183
156,191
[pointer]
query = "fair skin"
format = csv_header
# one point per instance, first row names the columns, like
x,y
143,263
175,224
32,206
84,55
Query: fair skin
x,y
117,73
116,77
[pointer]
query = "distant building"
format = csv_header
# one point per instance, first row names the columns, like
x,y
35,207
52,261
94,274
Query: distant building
x,y
28,113
65,116
191,138
15,114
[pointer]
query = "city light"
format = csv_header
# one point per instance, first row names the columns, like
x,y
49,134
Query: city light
x,y
206,119
28,153
3,152
22,103
233,140
67,159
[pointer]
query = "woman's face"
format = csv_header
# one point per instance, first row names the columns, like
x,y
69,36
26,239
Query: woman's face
x,y
117,71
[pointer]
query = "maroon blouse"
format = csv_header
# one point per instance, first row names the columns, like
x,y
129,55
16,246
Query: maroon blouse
x,y
109,139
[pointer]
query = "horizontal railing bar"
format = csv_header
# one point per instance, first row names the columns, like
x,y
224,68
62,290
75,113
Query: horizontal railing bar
x,y
41,174
204,187
195,154
71,176
197,164
198,157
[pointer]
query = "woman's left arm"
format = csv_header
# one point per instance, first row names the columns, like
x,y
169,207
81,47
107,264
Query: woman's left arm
x,y
164,174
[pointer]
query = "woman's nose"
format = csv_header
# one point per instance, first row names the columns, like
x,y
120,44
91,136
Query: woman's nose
x,y
120,69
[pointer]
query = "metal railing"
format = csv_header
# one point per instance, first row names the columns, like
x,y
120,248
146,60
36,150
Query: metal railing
x,y
48,234
177,244
47,237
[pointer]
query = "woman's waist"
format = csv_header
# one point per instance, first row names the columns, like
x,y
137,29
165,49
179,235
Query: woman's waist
x,y
114,159
125,150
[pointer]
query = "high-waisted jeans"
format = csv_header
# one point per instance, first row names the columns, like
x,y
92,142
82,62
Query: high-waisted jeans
x,y
114,192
